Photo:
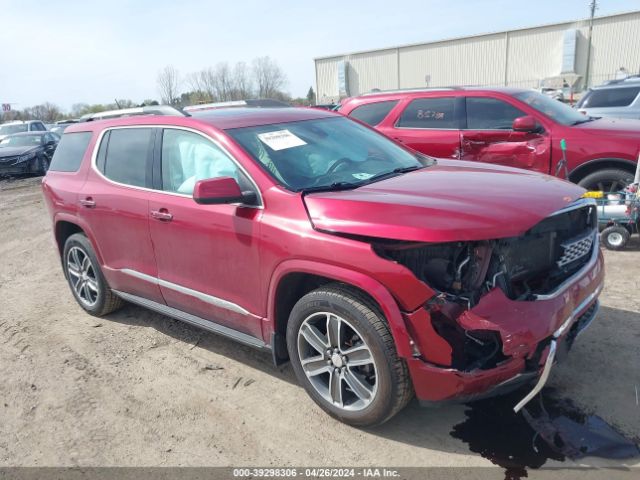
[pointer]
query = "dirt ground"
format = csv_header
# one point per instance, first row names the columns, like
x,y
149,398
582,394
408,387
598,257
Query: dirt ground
x,y
139,389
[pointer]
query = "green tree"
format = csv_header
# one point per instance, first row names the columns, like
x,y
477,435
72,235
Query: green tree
x,y
311,96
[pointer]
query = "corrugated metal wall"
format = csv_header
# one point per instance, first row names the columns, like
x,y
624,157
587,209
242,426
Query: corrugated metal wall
x,y
458,62
373,70
519,58
616,43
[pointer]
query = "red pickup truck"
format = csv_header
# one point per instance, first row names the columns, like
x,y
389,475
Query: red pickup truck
x,y
507,126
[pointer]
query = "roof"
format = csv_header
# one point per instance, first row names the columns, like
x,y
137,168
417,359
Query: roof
x,y
251,102
221,119
30,134
420,92
451,39
250,117
632,81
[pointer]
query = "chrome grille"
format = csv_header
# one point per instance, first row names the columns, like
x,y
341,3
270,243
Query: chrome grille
x,y
574,249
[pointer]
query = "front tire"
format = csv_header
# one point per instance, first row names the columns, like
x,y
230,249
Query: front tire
x,y
87,283
43,165
343,354
610,180
615,237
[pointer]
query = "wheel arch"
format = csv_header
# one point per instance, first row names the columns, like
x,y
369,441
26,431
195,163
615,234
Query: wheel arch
x,y
67,225
293,279
587,168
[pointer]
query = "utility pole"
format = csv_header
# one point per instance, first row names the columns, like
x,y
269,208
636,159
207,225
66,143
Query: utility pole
x,y
592,6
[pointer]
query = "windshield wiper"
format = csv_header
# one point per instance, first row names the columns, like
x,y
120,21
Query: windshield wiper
x,y
394,173
588,119
335,186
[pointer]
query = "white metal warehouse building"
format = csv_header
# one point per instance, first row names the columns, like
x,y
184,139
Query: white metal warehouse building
x,y
545,55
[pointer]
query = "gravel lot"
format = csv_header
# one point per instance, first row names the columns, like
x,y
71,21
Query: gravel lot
x,y
139,389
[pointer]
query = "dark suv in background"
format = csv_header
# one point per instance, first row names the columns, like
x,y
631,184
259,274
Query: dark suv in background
x,y
507,126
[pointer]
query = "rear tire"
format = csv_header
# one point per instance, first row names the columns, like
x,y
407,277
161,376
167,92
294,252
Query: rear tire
x,y
609,180
615,237
351,367
87,283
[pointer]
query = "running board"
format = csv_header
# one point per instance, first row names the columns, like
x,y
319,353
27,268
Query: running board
x,y
193,320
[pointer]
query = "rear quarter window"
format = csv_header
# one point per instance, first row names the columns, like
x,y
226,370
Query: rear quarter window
x,y
70,152
373,113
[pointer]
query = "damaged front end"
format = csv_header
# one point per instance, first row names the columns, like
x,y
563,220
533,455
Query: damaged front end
x,y
498,304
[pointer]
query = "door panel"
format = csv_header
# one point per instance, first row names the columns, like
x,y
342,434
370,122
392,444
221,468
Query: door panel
x,y
429,125
530,151
207,255
211,252
489,137
119,216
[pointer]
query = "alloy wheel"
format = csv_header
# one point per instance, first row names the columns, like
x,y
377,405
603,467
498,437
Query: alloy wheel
x,y
337,361
82,276
616,239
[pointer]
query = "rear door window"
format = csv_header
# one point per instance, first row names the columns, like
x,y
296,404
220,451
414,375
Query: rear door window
x,y
610,97
373,113
430,113
127,155
70,152
490,114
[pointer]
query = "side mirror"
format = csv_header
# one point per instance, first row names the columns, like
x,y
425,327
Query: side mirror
x,y
525,124
221,190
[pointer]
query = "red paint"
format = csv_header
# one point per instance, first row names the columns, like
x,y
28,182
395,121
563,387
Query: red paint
x,y
450,201
602,139
216,190
241,254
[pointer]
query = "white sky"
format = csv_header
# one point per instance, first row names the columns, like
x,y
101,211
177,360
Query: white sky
x,y
71,51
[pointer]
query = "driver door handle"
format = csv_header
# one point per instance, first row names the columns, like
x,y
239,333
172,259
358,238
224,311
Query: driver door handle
x,y
87,202
162,215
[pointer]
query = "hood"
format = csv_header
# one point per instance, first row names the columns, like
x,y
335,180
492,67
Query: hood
x,y
450,201
14,151
612,126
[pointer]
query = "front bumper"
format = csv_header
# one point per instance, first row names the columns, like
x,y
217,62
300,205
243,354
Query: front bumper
x,y
16,169
531,332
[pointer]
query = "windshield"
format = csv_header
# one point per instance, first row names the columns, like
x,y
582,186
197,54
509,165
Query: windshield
x,y
325,153
553,109
15,128
22,141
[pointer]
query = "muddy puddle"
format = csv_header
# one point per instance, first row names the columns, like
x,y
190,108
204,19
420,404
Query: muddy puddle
x,y
551,428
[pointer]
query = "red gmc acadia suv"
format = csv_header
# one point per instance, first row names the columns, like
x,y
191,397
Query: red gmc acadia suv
x,y
506,126
376,271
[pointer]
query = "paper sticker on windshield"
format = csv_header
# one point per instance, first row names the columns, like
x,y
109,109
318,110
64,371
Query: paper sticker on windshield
x,y
362,176
281,140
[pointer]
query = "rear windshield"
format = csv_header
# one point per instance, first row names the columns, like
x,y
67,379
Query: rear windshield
x,y
70,152
609,97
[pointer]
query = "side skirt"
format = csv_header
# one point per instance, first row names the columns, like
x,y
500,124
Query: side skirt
x,y
195,321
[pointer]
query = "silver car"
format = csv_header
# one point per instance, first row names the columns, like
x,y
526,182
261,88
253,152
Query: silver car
x,y
617,99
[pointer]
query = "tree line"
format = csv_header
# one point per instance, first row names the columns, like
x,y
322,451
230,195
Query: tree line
x,y
263,78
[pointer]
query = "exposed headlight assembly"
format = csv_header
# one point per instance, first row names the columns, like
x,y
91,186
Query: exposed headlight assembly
x,y
26,157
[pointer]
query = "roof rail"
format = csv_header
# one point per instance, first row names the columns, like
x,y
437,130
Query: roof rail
x,y
128,112
630,78
253,102
409,90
